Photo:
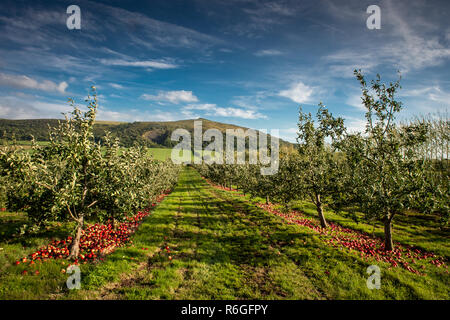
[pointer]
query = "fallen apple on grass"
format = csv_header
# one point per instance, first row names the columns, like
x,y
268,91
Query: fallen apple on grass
x,y
96,240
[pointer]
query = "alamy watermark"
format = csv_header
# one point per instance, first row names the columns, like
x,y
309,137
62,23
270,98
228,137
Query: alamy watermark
x,y
74,20
235,150
374,280
74,281
374,20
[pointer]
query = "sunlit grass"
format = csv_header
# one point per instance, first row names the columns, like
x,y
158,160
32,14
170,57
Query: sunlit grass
x,y
222,247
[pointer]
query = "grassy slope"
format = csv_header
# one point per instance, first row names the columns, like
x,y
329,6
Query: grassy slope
x,y
223,247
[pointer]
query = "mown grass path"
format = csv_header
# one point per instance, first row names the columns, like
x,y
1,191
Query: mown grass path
x,y
220,249
206,243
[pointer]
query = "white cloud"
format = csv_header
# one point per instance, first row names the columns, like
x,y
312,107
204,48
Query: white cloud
x,y
355,125
142,64
22,81
132,115
268,52
416,49
213,110
409,44
271,8
433,94
298,92
116,86
289,134
343,63
176,96
238,113
356,101
29,108
440,96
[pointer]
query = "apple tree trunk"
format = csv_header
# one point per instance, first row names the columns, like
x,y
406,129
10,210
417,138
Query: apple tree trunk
x,y
319,207
75,246
388,244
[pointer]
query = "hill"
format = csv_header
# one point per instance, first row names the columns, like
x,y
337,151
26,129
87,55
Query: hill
x,y
151,134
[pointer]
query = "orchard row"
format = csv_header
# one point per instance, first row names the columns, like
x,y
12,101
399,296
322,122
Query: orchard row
x,y
75,178
380,173
360,243
96,241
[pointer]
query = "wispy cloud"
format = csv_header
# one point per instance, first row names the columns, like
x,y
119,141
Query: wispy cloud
x,y
408,45
25,82
356,102
176,96
433,93
116,86
23,106
259,17
289,134
149,32
268,52
213,110
143,64
26,107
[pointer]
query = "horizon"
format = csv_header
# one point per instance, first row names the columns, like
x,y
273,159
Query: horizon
x,y
163,122
247,63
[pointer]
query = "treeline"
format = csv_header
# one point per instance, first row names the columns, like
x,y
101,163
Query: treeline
x,y
146,134
381,173
26,129
76,177
129,134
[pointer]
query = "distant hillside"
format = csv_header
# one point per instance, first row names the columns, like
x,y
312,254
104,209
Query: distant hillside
x,y
151,134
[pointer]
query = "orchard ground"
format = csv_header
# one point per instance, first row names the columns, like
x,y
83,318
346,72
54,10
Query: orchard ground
x,y
205,243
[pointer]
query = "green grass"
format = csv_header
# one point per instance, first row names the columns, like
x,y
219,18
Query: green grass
x,y
223,247
412,228
160,153
420,230
29,143
157,153
217,254
166,153
14,285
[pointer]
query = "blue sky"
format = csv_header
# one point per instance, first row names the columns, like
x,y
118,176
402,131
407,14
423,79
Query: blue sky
x,y
246,62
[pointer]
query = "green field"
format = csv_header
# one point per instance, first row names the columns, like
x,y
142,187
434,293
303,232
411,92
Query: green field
x,y
160,153
222,247
157,153
165,153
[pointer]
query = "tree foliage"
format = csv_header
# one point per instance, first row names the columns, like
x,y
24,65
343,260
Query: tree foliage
x,y
387,172
75,177
382,172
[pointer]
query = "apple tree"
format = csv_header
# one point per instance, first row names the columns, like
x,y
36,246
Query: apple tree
x,y
317,169
59,180
386,170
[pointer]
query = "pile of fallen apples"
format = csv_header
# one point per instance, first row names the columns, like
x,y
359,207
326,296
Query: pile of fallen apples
x,y
96,240
367,246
